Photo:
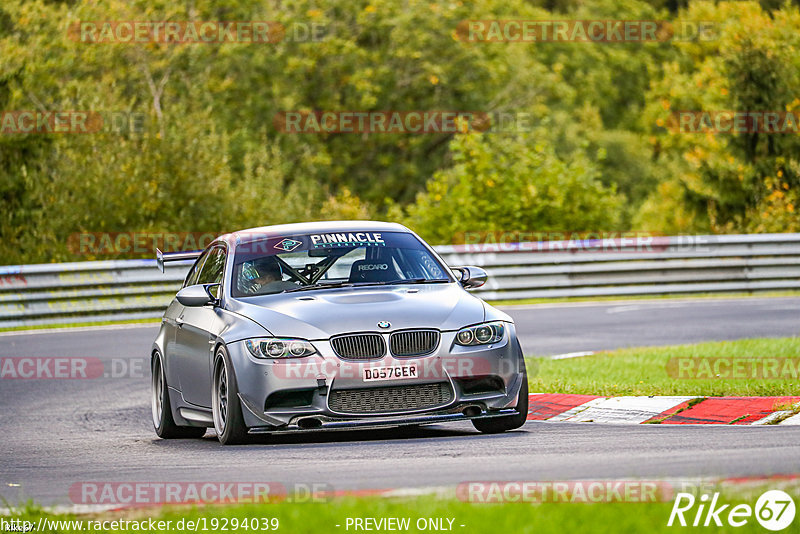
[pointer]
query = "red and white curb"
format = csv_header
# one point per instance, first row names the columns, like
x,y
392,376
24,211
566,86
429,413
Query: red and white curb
x,y
682,410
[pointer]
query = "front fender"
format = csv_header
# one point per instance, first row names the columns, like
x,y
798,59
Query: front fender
x,y
231,327
493,314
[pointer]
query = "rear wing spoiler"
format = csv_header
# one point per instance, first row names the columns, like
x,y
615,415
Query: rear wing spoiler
x,y
163,257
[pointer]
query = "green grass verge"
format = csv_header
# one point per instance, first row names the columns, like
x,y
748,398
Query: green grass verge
x,y
555,518
643,371
669,296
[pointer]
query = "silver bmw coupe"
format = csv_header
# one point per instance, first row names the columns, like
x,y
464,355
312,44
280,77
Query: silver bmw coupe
x,y
331,325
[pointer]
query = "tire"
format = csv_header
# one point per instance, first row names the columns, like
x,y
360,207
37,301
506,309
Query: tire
x,y
163,422
496,425
225,405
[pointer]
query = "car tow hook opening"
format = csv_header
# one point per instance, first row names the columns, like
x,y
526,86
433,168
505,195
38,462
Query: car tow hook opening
x,y
309,422
472,411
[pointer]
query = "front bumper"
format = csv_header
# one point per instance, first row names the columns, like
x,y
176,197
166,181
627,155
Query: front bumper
x,y
365,422
483,381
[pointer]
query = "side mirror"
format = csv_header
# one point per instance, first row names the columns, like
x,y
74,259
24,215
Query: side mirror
x,y
471,277
198,295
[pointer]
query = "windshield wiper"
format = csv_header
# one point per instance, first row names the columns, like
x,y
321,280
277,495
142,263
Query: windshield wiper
x,y
362,284
406,281
319,286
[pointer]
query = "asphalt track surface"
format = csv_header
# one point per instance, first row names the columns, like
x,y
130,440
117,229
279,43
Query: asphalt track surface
x,y
56,433
562,328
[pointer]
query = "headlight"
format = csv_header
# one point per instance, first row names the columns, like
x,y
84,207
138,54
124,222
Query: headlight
x,y
275,347
481,334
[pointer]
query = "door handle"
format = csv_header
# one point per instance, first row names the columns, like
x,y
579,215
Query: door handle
x,y
179,321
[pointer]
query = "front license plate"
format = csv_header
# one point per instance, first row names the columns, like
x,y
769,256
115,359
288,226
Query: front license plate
x,y
398,372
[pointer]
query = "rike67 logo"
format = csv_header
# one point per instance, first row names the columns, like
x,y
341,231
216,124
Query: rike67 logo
x,y
774,510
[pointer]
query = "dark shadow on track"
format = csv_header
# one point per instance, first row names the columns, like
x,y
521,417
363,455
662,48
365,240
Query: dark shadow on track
x,y
345,437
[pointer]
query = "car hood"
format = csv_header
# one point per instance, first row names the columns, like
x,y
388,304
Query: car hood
x,y
328,312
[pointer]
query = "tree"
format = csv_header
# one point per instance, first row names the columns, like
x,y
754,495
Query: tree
x,y
737,181
513,184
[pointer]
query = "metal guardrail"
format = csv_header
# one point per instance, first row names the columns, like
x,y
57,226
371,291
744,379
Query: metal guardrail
x,y
134,289
664,265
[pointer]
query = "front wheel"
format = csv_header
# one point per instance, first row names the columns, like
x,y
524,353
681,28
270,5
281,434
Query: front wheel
x,y
495,425
225,405
163,422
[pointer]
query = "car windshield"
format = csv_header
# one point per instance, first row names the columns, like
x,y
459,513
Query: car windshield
x,y
335,259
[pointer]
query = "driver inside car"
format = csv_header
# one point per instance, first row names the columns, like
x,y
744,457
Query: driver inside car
x,y
262,276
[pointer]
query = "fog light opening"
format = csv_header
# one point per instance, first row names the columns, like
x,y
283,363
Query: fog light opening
x,y
472,411
309,422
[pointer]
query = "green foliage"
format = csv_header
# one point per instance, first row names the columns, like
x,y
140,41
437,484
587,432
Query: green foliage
x,y
502,183
736,182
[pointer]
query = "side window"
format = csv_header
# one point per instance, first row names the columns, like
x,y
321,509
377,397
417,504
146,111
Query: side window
x,y
211,272
194,272
418,263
